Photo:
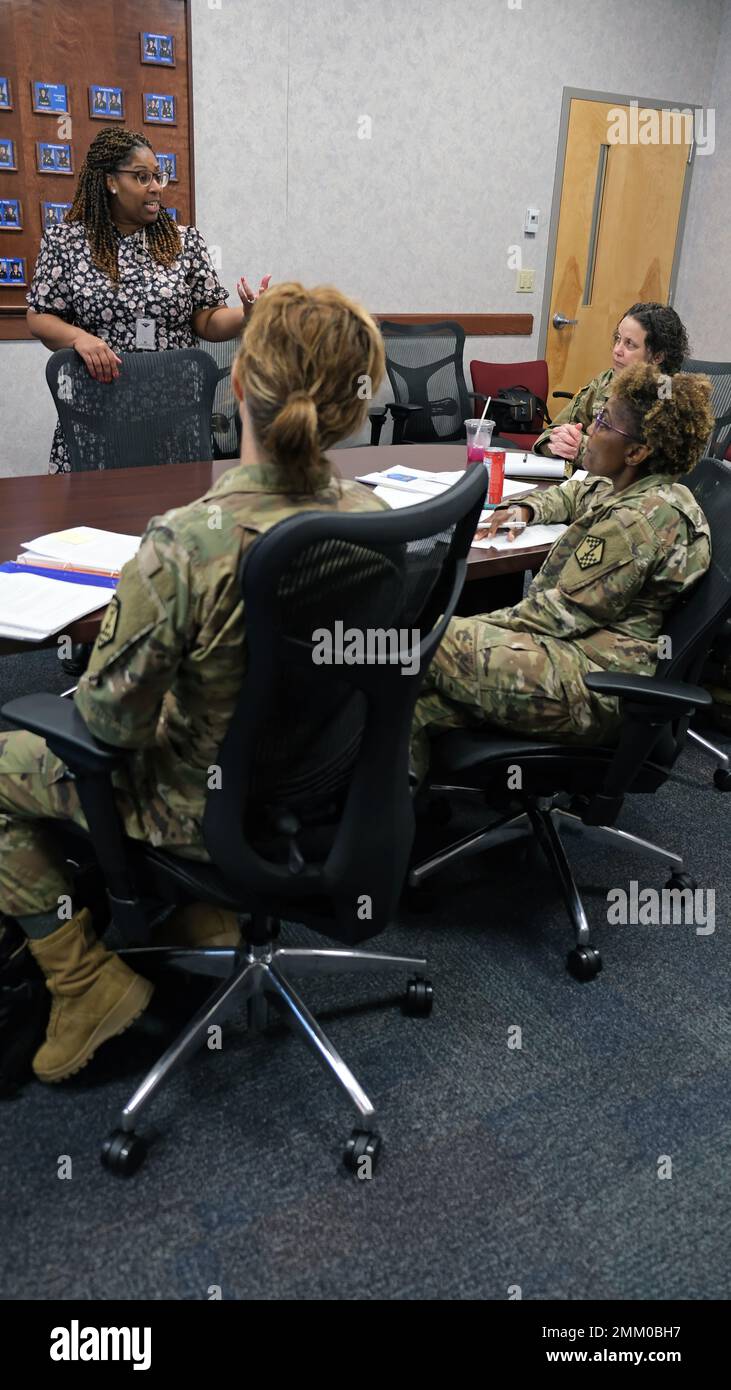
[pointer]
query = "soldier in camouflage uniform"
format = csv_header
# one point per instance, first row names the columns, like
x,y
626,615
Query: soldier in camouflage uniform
x,y
165,671
636,543
646,333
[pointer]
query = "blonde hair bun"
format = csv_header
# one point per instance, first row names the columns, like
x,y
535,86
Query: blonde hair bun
x,y
303,362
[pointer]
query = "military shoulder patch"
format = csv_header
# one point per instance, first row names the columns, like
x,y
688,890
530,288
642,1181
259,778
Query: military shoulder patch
x,y
109,623
590,552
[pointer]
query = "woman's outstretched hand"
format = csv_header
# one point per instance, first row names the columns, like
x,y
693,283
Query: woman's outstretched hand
x,y
246,294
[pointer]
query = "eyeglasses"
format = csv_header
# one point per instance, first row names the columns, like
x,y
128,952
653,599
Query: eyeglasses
x,y
144,177
601,421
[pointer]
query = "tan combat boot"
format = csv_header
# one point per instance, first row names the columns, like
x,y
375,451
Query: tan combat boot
x,y
198,924
95,996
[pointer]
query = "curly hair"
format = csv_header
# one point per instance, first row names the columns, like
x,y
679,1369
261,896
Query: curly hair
x,y
671,415
91,203
304,360
665,333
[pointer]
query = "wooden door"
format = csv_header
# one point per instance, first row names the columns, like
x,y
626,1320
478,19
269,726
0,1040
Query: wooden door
x,y
618,227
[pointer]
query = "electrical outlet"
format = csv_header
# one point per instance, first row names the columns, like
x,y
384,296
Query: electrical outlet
x,y
525,281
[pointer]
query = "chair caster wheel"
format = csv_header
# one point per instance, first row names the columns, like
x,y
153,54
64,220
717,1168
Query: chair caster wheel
x,y
419,997
682,881
722,779
584,962
361,1152
123,1152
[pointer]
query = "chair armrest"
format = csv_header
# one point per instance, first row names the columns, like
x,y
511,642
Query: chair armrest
x,y
648,706
402,412
59,722
672,698
91,763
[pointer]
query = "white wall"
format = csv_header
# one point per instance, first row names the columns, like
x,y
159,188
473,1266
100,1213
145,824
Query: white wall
x,y
704,280
464,98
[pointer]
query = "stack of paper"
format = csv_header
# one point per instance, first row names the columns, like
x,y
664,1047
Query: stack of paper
x,y
58,579
34,606
404,487
83,548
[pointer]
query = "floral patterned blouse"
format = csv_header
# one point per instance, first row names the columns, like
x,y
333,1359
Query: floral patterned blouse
x,y
66,283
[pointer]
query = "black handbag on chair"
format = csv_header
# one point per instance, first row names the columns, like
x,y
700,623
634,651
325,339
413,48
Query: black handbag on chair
x,y
515,409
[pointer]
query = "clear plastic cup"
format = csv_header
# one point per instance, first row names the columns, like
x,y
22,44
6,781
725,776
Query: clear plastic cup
x,y
479,435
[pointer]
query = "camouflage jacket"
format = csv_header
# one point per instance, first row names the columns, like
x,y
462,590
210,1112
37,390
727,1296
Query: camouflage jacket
x,y
166,668
580,411
625,559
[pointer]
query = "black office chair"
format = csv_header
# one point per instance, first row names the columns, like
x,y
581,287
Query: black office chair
x,y
311,818
719,375
225,420
425,365
574,787
158,410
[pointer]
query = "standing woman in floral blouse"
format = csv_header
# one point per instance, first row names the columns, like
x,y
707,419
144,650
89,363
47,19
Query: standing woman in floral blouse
x,y
118,262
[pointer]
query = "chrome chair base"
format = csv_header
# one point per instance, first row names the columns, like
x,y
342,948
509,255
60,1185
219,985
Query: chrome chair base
x,y
258,976
544,818
722,759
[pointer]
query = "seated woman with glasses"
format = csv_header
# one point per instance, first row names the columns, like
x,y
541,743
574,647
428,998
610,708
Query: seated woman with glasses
x,y
636,542
119,275
646,333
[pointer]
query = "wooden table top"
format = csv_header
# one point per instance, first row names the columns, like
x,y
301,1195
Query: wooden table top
x,y
123,499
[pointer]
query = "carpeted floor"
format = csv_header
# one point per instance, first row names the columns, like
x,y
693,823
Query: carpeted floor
x,y
536,1167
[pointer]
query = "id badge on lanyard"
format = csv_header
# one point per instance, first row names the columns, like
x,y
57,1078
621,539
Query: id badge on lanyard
x,y
145,334
145,327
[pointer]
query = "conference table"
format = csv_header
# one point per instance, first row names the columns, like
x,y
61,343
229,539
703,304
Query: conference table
x,y
124,499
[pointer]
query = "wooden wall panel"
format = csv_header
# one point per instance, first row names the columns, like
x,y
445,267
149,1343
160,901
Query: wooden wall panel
x,y
84,43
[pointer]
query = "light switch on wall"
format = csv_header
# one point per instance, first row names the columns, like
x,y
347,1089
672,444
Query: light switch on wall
x,y
525,281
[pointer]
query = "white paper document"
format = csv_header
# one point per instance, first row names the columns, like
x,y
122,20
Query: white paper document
x,y
33,607
532,535
85,546
405,487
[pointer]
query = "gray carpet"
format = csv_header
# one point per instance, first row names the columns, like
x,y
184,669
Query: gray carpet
x,y
535,1167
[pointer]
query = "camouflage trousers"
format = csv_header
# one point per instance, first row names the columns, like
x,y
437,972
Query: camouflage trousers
x,y
486,674
35,790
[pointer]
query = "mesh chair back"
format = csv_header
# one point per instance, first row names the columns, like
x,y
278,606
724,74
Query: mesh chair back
x,y
157,411
719,375
693,623
225,421
343,615
425,365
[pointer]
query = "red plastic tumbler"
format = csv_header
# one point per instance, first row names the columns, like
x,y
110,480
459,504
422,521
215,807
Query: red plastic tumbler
x,y
496,460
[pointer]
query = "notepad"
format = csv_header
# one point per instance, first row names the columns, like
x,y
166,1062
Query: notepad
x,y
532,535
33,607
519,465
85,546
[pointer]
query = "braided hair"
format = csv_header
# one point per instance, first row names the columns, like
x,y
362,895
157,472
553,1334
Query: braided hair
x,y
91,203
